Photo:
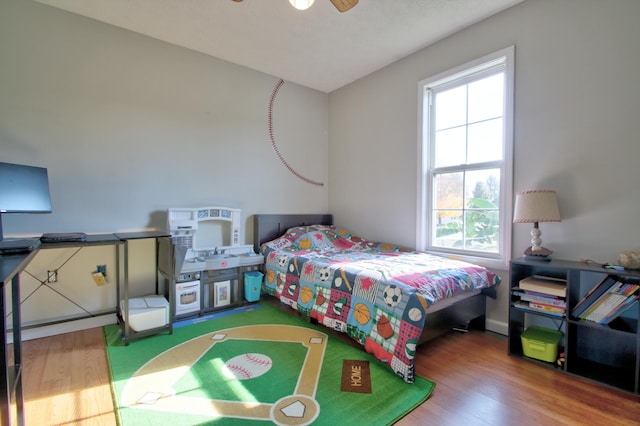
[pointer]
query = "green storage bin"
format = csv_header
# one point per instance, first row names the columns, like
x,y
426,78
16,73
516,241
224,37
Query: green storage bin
x,y
541,343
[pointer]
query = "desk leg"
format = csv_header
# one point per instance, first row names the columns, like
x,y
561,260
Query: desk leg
x,y
125,315
5,386
11,375
17,346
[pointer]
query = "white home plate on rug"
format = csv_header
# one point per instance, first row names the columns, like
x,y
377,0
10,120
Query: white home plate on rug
x,y
247,366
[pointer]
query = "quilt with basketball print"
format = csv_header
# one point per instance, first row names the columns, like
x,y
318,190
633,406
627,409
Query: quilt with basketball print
x,y
377,293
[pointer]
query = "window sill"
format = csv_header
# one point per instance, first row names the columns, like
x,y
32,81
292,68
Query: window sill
x,y
489,263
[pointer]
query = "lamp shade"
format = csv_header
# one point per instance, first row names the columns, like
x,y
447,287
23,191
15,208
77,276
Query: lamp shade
x,y
536,206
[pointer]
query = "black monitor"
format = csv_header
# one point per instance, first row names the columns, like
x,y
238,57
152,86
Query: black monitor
x,y
23,189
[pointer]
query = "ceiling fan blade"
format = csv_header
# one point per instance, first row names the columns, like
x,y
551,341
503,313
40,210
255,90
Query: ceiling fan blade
x,y
344,5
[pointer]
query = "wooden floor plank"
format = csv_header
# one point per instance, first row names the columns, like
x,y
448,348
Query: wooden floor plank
x,y
66,382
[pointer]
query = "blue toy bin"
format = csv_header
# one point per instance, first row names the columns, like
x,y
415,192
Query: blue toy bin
x,y
252,285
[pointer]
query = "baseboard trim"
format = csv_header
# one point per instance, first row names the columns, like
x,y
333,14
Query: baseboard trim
x,y
65,327
495,326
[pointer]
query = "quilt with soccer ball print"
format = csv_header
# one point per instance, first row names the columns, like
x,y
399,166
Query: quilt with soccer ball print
x,y
377,293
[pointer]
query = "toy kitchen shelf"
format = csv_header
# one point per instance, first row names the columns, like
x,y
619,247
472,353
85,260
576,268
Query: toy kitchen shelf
x,y
203,286
607,354
203,265
123,310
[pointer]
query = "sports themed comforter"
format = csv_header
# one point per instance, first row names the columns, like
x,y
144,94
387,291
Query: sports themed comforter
x,y
378,294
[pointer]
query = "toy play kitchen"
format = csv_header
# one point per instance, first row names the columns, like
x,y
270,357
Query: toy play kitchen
x,y
208,261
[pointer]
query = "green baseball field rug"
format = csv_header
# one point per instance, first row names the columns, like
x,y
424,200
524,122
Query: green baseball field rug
x,y
253,365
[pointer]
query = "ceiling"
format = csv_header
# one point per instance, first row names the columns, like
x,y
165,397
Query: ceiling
x,y
320,48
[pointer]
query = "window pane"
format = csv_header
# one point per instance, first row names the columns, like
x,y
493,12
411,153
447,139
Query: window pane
x,y
482,214
482,230
485,141
483,185
448,210
449,191
448,229
450,148
466,210
451,108
486,98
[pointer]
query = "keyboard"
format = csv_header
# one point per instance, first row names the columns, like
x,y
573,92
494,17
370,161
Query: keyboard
x,y
63,237
18,245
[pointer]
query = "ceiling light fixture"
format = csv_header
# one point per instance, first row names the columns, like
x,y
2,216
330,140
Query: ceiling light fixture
x,y
301,4
341,5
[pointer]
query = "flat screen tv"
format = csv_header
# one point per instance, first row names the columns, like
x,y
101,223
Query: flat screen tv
x,y
23,189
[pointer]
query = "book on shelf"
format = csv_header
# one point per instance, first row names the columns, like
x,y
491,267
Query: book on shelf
x,y
606,302
592,295
609,302
529,307
544,285
546,308
621,309
532,296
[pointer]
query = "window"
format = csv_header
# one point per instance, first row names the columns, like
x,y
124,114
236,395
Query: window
x,y
464,199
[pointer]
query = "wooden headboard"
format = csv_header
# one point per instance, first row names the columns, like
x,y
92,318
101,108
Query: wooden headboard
x,y
267,227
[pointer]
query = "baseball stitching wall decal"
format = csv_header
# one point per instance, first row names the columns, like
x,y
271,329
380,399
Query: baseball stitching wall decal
x,y
273,140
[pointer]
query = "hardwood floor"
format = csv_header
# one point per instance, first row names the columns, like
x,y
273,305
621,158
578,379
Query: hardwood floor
x,y
66,382
477,383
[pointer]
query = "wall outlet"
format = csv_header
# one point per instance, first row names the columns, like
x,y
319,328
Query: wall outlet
x,y
99,278
102,269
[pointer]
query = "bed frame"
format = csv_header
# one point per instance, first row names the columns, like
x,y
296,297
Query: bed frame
x,y
458,316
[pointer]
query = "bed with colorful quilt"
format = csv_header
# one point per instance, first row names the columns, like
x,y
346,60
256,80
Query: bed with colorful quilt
x,y
387,298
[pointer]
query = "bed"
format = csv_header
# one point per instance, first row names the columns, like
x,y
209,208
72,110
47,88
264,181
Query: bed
x,y
387,298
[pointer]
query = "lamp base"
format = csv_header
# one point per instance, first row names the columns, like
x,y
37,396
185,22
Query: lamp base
x,y
540,254
537,258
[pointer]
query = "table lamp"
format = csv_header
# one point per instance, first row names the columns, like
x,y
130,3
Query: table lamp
x,y
533,207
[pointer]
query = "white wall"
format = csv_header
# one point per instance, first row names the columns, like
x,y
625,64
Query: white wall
x,y
129,126
577,101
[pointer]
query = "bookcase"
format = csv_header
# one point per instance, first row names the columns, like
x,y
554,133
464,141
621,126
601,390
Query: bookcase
x,y
608,354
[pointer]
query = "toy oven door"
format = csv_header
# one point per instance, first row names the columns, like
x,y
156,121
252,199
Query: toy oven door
x,y
187,297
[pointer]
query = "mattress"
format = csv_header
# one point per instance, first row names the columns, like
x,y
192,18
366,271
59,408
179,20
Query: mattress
x,y
377,293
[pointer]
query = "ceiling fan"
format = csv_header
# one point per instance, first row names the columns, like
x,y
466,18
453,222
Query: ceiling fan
x,y
341,5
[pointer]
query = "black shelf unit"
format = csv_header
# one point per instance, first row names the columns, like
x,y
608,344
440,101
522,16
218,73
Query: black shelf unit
x,y
608,354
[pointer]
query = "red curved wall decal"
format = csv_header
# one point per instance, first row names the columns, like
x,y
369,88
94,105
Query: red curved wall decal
x,y
273,139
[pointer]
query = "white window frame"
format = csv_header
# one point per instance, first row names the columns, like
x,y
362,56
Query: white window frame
x,y
425,184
